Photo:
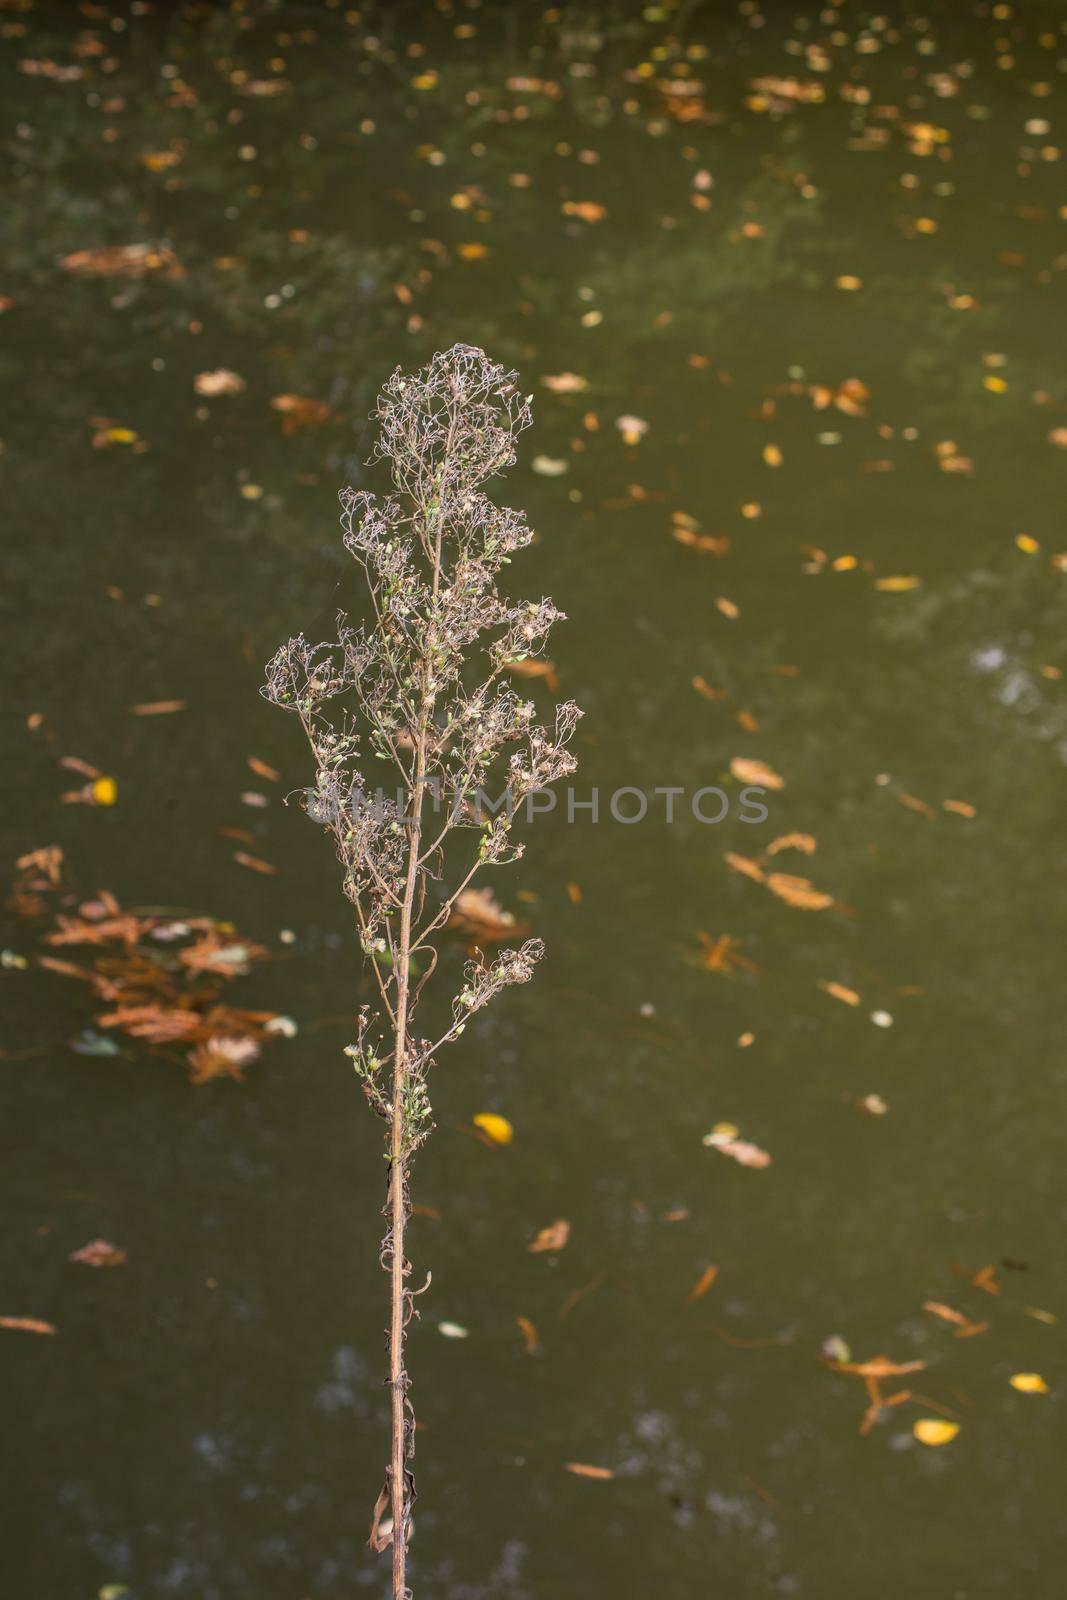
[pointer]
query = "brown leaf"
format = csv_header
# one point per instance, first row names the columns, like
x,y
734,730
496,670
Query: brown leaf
x,y
255,863
478,913
122,261
48,860
552,1238
536,667
157,708
261,769
381,1524
300,412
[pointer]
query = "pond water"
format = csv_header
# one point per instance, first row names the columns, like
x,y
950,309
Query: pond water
x,y
819,254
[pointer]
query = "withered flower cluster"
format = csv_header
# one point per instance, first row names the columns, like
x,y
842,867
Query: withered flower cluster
x,y
417,700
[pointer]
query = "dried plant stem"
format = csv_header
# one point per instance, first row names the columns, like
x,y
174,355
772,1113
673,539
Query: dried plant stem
x,y
430,553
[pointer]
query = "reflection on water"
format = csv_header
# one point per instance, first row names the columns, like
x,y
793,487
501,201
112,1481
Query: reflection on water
x,y
815,257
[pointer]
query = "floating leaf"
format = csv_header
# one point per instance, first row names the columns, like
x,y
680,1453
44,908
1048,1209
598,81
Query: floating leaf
x,y
793,841
723,1137
565,383
755,772
633,429
896,585
497,1128
581,1470
799,892
99,1253
838,991
1028,1383
221,381
104,792
552,1238
157,708
935,1431
27,1325
529,1334
452,1330
702,1285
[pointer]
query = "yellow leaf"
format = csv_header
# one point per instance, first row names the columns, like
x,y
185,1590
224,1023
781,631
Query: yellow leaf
x,y
896,585
844,563
582,1470
995,385
499,1129
1028,545
931,1430
105,792
772,455
728,608
846,281
473,251
1028,1383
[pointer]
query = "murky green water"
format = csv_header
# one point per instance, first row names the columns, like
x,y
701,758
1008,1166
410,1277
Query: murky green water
x,y
208,1421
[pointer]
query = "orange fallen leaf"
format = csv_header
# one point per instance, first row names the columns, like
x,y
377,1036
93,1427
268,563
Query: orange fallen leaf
x,y
965,1328
799,892
839,992
261,769
157,708
587,210
728,608
552,1238
792,841
221,381
746,867
255,863
27,1325
755,772
529,1334
960,807
299,411
99,1253
536,667
581,1470
702,1285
